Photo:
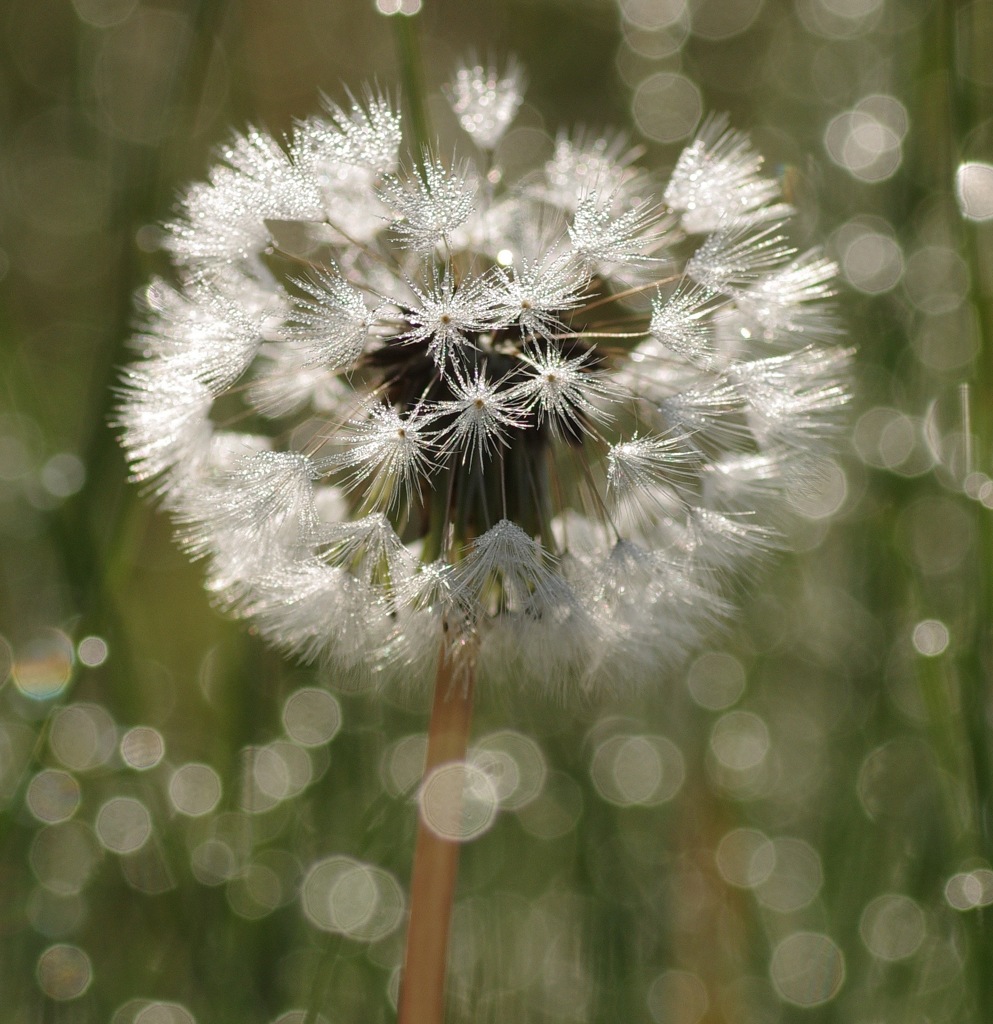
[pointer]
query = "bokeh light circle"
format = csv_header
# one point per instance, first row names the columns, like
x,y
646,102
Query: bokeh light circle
x,y
407,7
892,927
104,13
43,667
745,857
164,1013
123,824
142,748
458,801
92,651
677,997
871,261
255,892
867,140
967,890
311,717
821,493
637,770
63,857
213,862
53,796
716,680
807,969
936,279
195,789
265,779
796,878
667,106
83,736
740,740
515,765
343,895
402,763
930,638
974,190
653,14
64,972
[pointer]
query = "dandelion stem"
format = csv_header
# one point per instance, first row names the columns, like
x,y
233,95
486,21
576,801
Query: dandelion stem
x,y
436,859
412,78
600,334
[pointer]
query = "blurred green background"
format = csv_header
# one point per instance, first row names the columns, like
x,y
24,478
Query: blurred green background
x,y
798,827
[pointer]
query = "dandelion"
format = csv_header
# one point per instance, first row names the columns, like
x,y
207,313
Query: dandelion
x,y
528,433
453,381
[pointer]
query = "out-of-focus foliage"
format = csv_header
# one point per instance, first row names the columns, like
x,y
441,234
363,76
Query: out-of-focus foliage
x,y
796,826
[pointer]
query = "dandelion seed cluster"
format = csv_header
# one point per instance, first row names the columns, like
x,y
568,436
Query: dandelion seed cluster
x,y
390,399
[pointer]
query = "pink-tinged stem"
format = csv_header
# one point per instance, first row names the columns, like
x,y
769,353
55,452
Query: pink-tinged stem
x,y
436,861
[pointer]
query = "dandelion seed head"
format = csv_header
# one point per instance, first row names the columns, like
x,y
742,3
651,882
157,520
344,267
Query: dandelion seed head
x,y
601,237
397,403
684,321
447,315
717,177
393,449
583,163
635,464
331,323
535,294
483,415
736,255
486,101
431,204
568,392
